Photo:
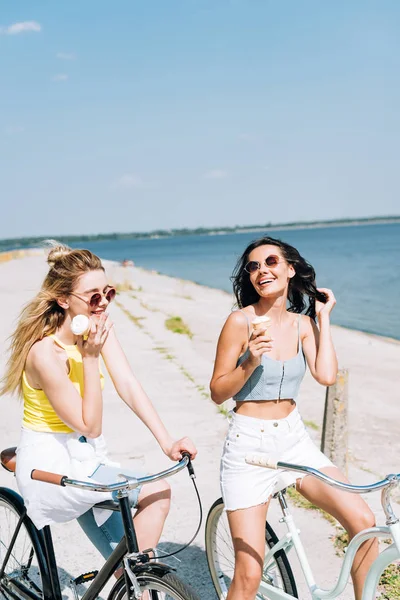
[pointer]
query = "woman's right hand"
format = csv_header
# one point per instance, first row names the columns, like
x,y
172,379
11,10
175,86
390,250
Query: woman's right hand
x,y
91,347
259,343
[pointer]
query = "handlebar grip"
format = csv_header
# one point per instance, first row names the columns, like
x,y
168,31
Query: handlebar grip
x,y
261,460
48,477
189,465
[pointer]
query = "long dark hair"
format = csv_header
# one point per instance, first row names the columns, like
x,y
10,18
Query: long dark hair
x,y
300,286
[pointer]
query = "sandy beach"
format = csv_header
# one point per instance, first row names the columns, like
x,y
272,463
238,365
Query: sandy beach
x,y
175,370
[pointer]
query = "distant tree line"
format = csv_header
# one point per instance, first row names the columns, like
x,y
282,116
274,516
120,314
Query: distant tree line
x,y
28,242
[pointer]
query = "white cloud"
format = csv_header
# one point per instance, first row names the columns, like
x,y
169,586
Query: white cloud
x,y
216,174
21,27
60,77
66,55
129,181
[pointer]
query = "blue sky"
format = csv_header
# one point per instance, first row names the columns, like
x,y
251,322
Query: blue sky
x,y
143,114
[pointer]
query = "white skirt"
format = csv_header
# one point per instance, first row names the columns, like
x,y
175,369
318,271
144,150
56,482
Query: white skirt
x,y
64,454
243,485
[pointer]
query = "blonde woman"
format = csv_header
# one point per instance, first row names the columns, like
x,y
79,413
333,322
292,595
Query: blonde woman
x,y
58,376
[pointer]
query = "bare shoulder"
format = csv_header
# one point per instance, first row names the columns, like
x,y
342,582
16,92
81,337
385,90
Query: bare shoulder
x,y
42,350
307,326
238,318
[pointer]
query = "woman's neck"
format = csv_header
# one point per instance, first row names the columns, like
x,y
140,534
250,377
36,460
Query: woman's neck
x,y
64,333
274,307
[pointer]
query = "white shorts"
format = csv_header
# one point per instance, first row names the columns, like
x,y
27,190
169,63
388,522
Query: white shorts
x,y
244,485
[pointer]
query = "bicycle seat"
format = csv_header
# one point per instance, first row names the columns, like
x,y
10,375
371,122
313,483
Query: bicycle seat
x,y
8,459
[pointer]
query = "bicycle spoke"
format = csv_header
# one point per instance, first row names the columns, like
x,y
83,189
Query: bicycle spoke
x,y
221,556
160,587
21,570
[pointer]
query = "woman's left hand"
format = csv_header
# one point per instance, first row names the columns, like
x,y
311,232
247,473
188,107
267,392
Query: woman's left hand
x,y
322,308
174,452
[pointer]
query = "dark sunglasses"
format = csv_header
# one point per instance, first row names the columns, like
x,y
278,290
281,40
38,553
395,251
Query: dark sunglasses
x,y
271,261
95,300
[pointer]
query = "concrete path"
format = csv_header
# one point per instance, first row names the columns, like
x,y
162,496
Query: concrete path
x,y
175,371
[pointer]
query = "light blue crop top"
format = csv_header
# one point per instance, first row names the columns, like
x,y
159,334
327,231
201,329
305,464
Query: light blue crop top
x,y
273,379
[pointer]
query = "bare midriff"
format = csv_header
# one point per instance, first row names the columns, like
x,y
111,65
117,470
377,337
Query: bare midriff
x,y
266,409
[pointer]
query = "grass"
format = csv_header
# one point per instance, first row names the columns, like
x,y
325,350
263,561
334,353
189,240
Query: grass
x,y
165,352
187,374
184,296
301,502
389,583
148,307
340,541
200,388
131,317
203,393
124,286
366,469
177,325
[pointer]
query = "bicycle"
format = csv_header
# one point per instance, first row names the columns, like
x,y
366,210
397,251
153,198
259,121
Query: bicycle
x,y
278,582
28,567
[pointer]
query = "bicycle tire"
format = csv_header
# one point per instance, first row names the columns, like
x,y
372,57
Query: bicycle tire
x,y
157,584
221,560
25,573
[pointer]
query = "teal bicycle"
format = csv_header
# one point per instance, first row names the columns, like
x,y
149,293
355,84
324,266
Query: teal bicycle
x,y
278,581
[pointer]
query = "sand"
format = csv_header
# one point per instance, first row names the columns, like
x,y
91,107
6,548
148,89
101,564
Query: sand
x,y
175,370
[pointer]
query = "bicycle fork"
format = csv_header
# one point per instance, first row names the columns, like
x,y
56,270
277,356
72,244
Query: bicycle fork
x,y
134,586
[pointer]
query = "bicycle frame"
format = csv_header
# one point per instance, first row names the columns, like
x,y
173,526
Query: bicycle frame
x,y
292,540
50,579
126,552
98,583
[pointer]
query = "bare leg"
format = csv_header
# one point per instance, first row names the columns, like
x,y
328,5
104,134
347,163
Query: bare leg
x,y
248,535
152,510
352,512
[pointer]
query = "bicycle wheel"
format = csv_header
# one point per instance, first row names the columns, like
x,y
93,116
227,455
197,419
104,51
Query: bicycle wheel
x,y
163,586
22,572
221,557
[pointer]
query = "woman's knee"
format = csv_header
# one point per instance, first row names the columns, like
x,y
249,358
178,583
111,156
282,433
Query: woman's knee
x,y
157,494
361,519
247,577
164,493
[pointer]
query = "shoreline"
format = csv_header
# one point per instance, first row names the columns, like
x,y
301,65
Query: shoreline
x,y
371,334
23,252
13,245
304,227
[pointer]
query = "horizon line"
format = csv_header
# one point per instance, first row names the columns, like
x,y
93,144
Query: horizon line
x,y
203,230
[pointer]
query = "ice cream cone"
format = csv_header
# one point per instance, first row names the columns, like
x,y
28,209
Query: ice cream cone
x,y
261,324
80,325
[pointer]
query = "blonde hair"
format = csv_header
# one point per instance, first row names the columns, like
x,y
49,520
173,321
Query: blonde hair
x,y
43,316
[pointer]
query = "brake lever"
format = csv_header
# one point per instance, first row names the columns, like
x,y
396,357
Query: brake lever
x,y
189,465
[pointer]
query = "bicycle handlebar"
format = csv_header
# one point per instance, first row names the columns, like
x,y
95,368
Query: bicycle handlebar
x,y
47,477
129,483
263,460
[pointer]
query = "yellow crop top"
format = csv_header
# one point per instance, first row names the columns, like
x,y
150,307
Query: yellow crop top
x,y
39,415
